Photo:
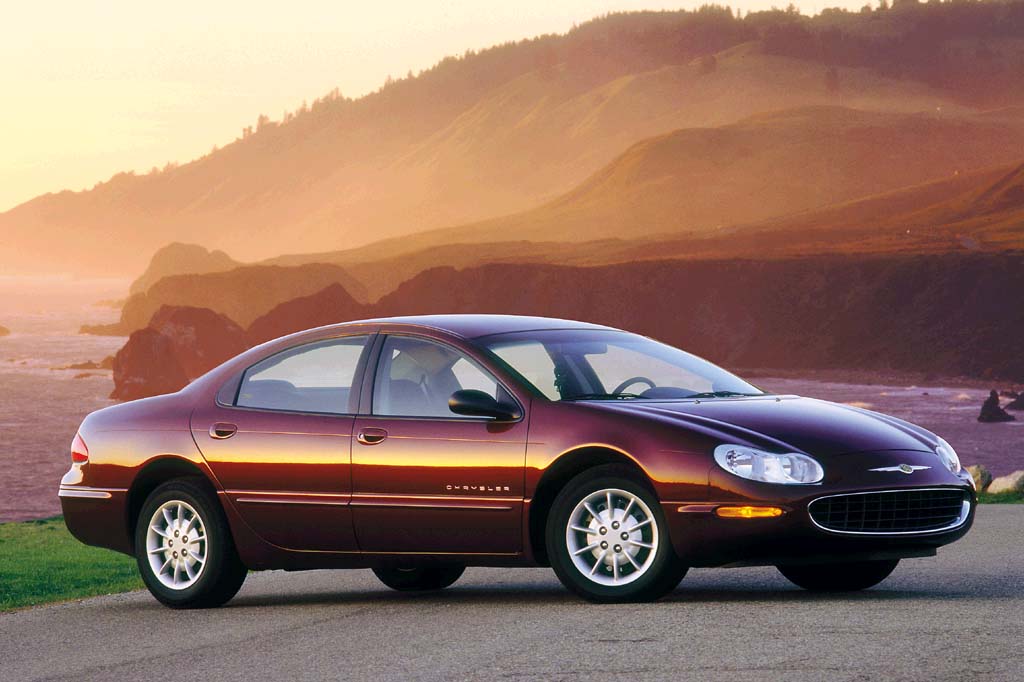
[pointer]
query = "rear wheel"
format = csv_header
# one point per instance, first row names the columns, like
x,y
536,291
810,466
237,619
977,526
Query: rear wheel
x,y
607,538
848,577
419,578
184,547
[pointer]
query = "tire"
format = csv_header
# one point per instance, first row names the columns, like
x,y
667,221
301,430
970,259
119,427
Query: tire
x,y
848,577
210,573
603,572
419,578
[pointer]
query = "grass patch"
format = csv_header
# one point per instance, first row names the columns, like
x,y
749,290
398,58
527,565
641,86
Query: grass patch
x,y
41,562
1001,498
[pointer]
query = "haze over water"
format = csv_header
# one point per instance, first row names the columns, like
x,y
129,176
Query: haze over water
x,y
40,407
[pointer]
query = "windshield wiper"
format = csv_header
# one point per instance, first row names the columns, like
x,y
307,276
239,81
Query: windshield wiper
x,y
604,396
721,394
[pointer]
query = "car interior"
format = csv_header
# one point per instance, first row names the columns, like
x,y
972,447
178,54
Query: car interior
x,y
416,377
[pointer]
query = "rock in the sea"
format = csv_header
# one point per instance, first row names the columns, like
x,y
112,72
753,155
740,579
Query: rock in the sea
x,y
4,331
992,412
201,338
179,345
1016,404
147,366
982,476
105,363
1011,483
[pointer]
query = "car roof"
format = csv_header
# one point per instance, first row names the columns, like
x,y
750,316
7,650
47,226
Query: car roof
x,y
473,326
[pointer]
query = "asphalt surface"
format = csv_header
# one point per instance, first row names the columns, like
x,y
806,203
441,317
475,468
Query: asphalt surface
x,y
959,616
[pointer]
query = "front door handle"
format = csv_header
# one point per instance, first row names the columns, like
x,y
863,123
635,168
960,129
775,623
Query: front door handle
x,y
222,430
371,435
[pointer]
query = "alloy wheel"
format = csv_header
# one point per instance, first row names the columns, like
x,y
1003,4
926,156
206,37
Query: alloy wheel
x,y
176,545
612,537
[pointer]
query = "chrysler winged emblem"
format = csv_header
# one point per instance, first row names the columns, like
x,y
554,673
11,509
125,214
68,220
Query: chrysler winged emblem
x,y
903,468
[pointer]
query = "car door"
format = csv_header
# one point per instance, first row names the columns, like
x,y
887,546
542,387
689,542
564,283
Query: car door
x,y
281,444
425,479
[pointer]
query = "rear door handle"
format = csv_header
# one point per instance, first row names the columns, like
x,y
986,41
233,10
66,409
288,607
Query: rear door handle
x,y
222,430
371,435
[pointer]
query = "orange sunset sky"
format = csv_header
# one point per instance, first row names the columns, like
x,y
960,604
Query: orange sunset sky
x,y
94,88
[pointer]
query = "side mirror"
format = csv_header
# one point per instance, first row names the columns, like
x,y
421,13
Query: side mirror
x,y
472,403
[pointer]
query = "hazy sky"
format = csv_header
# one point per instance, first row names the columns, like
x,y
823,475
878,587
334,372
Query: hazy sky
x,y
92,88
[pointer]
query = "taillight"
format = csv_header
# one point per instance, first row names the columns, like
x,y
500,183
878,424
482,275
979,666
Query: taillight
x,y
79,451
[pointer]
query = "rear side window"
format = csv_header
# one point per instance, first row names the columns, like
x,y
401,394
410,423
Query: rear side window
x,y
415,378
317,377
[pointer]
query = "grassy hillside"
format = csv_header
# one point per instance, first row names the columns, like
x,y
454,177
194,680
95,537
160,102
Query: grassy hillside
x,y
803,181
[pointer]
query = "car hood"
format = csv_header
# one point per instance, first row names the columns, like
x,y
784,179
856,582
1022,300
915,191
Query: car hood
x,y
815,427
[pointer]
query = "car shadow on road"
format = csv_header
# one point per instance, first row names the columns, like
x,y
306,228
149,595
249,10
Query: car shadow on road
x,y
531,594
526,594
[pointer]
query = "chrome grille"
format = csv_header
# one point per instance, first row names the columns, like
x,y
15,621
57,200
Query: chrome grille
x,y
890,511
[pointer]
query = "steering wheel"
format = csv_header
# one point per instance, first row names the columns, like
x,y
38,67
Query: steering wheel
x,y
629,382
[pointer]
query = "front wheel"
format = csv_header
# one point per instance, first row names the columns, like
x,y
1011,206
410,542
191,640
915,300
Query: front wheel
x,y
419,578
184,547
607,539
848,577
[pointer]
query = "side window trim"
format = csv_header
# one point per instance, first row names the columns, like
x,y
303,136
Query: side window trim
x,y
374,367
356,392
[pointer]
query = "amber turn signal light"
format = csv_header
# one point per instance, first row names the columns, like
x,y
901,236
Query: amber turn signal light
x,y
748,512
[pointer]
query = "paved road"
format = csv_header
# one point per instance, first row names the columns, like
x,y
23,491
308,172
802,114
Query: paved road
x,y
959,616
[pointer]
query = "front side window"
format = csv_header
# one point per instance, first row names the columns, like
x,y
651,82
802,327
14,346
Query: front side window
x,y
599,364
416,377
316,377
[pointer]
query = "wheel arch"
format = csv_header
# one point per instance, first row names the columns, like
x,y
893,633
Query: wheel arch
x,y
558,474
152,474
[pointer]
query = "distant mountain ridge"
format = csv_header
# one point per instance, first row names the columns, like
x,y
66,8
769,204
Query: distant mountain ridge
x,y
507,129
978,211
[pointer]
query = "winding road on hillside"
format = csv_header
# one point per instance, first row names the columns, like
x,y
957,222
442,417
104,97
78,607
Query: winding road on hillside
x,y
954,617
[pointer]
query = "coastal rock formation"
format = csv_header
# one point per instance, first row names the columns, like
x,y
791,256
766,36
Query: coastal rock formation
x,y
146,366
181,259
816,313
201,339
180,344
105,363
241,294
1011,483
329,306
981,475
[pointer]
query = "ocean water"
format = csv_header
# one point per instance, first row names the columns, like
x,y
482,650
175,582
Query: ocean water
x,y
41,407
949,411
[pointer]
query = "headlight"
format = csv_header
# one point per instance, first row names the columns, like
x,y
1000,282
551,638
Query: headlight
x,y
770,467
948,456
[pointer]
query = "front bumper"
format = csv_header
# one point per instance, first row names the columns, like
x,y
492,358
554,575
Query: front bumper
x,y
701,538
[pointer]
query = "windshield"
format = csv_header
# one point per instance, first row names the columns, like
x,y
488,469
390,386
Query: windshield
x,y
610,365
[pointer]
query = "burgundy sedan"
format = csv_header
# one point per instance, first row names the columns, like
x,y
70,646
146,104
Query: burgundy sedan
x,y
418,446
